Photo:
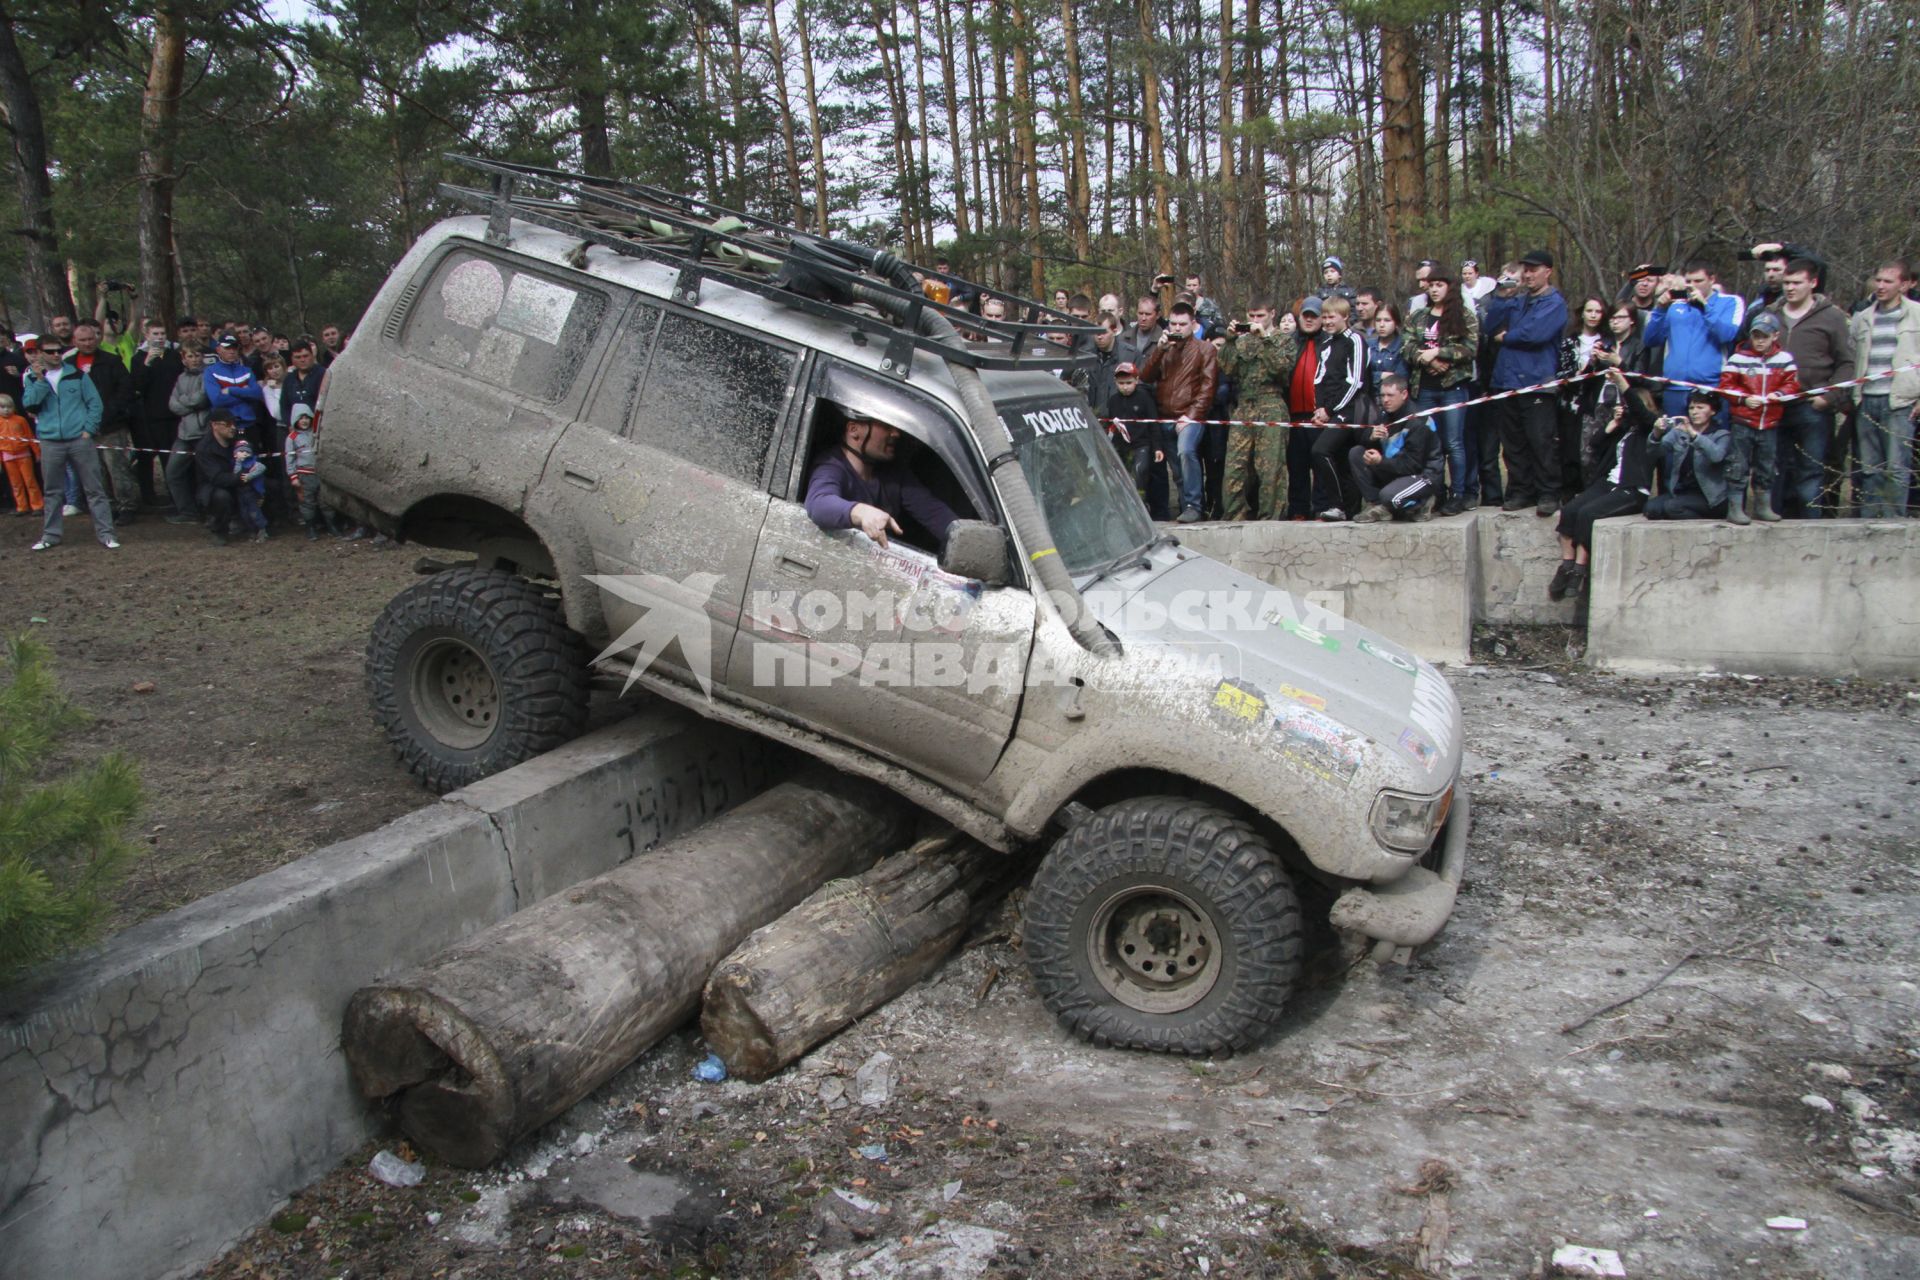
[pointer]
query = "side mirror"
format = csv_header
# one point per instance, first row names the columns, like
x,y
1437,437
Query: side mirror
x,y
976,550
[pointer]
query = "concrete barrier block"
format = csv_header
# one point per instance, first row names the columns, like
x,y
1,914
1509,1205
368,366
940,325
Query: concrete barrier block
x,y
1804,597
1410,582
1518,554
160,1095
627,787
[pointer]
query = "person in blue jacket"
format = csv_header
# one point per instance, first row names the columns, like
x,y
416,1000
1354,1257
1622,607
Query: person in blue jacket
x,y
1526,327
231,386
1696,324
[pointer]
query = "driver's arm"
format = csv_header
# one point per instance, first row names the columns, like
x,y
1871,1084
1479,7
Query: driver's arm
x,y
927,510
828,504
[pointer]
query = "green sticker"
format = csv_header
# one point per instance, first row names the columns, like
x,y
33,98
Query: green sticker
x,y
1311,636
1391,659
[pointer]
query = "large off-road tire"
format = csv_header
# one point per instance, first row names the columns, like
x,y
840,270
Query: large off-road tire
x,y
474,670
1164,924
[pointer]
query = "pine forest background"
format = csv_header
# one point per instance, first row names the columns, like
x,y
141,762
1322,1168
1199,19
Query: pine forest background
x,y
271,163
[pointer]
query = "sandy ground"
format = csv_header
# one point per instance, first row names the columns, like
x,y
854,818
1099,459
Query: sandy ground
x,y
231,675
1678,1000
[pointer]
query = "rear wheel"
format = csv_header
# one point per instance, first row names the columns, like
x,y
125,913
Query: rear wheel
x,y
474,670
1164,924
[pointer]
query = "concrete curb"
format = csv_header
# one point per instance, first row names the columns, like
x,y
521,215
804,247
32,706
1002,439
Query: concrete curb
x,y
159,1096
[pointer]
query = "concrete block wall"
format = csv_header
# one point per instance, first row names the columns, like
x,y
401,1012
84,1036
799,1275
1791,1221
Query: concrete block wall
x,y
1518,554
1410,582
1803,597
161,1095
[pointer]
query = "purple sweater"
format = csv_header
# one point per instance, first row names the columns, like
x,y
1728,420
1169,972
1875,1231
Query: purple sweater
x,y
835,488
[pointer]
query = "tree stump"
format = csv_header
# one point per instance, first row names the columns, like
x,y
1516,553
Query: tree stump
x,y
504,1031
851,947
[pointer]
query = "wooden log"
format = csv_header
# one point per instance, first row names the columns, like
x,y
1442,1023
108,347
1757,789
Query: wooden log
x,y
851,947
500,1033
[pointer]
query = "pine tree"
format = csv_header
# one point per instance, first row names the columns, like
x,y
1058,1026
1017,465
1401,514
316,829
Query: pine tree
x,y
62,840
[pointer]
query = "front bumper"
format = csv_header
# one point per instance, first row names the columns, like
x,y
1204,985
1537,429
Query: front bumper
x,y
1413,909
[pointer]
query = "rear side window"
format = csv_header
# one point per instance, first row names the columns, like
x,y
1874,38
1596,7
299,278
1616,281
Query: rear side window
x,y
714,396
520,330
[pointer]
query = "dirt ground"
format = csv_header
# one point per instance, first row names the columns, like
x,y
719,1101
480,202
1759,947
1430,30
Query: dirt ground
x,y
1678,1001
255,740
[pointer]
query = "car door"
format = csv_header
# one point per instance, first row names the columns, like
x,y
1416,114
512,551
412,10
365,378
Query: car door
x,y
666,477
877,646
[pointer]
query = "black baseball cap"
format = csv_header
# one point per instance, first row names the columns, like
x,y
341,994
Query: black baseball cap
x,y
1536,258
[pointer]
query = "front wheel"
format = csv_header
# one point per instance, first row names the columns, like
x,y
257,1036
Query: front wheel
x,y
1164,924
474,670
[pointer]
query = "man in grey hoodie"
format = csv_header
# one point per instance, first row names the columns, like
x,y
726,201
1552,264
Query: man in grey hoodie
x,y
189,404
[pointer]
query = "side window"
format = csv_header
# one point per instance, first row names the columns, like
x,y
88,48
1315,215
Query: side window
x,y
714,396
619,392
516,329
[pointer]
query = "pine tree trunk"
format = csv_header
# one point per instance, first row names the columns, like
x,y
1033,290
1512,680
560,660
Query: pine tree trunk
x,y
502,1032
159,113
1228,277
737,103
813,120
1253,167
1402,161
1080,183
923,183
596,150
851,947
1162,224
1442,132
52,295
778,49
1489,150
943,32
1024,110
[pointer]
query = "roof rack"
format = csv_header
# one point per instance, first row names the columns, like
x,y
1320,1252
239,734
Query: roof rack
x,y
706,241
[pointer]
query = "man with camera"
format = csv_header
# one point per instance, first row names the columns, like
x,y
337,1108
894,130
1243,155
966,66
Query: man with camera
x,y
1184,372
1259,361
1695,324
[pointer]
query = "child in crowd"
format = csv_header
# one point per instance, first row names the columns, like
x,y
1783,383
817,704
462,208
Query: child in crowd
x,y
1149,441
19,451
300,472
1754,376
254,472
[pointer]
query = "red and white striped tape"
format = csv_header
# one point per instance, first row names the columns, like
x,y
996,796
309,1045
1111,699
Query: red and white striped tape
x,y
1556,383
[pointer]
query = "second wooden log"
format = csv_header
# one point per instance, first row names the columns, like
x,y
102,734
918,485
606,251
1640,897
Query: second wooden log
x,y
851,947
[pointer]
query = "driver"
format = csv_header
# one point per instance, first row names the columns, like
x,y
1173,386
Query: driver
x,y
860,486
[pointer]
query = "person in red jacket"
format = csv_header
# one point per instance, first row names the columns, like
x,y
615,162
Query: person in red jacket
x,y
1759,379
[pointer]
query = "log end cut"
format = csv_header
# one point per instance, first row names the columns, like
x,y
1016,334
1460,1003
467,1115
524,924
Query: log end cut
x,y
458,1101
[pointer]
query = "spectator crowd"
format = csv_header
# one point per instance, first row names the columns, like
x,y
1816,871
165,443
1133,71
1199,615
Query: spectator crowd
x,y
1677,397
203,426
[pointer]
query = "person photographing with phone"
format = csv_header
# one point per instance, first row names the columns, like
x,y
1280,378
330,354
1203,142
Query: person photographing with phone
x,y
1184,373
1696,324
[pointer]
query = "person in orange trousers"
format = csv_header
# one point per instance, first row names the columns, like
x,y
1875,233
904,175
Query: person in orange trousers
x,y
20,453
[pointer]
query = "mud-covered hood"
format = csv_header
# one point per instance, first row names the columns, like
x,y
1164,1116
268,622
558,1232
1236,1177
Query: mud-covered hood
x,y
1270,657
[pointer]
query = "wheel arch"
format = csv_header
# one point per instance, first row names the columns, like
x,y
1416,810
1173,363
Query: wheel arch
x,y
1133,781
499,539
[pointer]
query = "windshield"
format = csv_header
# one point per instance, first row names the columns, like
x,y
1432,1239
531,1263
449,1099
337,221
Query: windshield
x,y
1089,500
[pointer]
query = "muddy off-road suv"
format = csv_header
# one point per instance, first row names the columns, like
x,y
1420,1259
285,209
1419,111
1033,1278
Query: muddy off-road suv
x,y
612,398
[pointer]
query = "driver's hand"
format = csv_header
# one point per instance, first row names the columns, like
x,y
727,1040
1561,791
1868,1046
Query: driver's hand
x,y
874,522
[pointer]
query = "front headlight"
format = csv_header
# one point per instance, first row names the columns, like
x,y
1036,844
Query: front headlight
x,y
1407,824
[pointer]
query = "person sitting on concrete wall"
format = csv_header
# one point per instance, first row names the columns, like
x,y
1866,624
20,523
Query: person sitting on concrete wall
x,y
1694,452
1622,459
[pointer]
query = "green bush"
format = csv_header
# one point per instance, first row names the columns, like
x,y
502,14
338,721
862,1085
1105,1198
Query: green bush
x,y
62,841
